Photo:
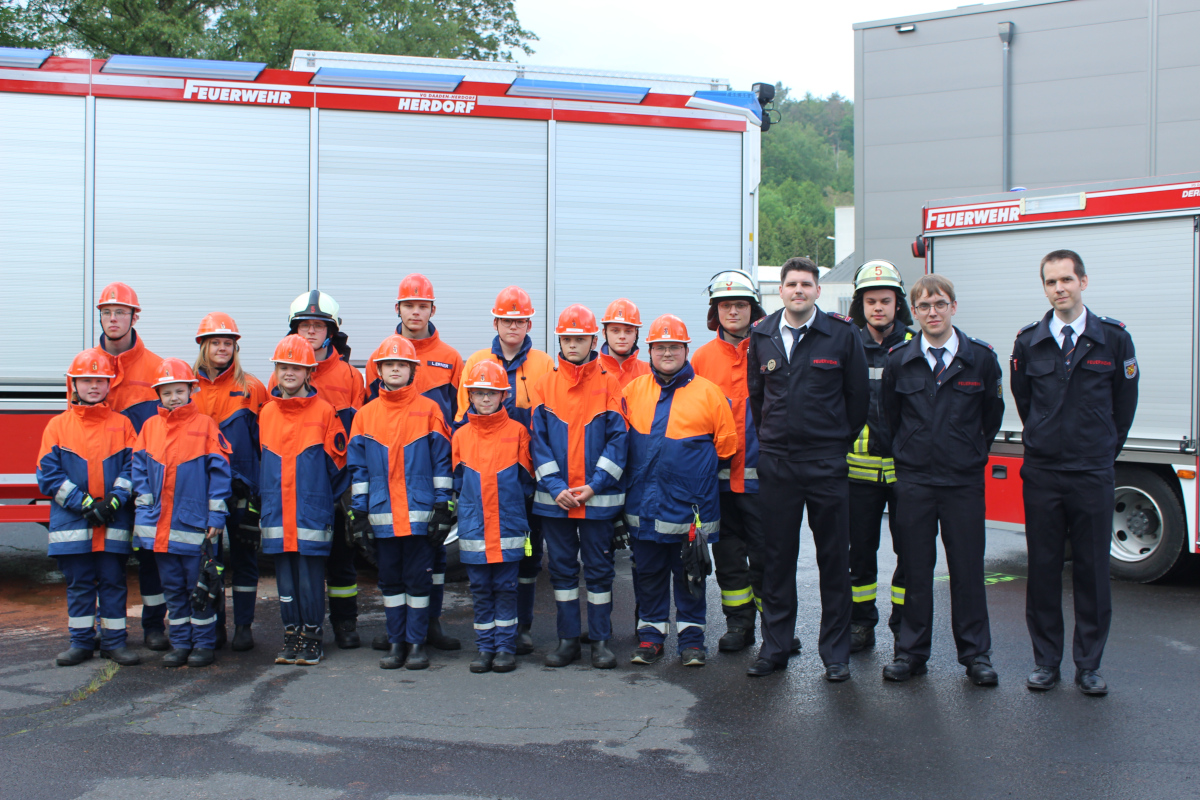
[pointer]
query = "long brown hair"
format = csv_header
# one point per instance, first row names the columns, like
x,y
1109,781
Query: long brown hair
x,y
203,363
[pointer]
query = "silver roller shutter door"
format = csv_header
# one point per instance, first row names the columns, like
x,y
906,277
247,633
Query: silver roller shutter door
x,y
42,232
203,208
460,200
1141,273
646,213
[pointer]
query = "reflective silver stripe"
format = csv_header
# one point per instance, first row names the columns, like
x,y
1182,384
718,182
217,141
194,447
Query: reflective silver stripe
x,y
565,595
598,598
875,373
218,505
154,599
118,534
205,621
81,622
314,535
144,500
187,537
544,498
77,535
360,488
607,500
271,533
123,483
526,580
484,626
439,578
610,466
285,598
145,531
184,621
751,473
249,589
633,521
418,602
395,600
661,627
479,545
420,516
722,474
682,527
506,623
443,483
549,468
379,519
63,492
112,624
680,627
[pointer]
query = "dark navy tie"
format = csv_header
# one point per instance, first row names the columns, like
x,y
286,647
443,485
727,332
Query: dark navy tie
x,y
938,352
1068,345
797,335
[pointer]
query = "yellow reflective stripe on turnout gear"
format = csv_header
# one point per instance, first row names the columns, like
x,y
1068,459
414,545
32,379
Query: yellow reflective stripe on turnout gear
x,y
737,597
898,595
864,594
343,591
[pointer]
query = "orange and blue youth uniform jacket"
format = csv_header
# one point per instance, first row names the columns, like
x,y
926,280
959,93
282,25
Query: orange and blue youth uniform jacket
x,y
87,450
399,461
492,476
438,374
725,365
181,479
579,436
303,473
235,410
678,431
632,368
524,371
337,383
132,391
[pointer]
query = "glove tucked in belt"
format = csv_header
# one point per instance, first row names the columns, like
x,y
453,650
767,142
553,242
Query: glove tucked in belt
x,y
620,535
440,524
697,563
360,535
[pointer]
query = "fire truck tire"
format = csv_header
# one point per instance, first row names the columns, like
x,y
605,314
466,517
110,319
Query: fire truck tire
x,y
1148,527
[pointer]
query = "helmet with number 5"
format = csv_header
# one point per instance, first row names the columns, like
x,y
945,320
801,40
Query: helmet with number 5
x,y
878,274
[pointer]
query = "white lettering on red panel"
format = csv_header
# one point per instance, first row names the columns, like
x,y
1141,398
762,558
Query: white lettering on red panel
x,y
226,95
997,215
438,103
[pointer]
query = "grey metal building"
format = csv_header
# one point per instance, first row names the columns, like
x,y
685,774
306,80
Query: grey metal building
x,y
1088,90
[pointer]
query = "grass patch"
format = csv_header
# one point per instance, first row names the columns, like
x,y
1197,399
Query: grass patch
x,y
99,679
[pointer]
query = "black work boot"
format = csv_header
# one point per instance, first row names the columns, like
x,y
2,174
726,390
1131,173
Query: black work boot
x,y
381,642
437,638
345,633
483,662
222,638
602,657
861,637
524,640
200,657
176,658
504,662
121,655
568,651
417,657
243,639
736,638
156,639
291,641
397,654
73,656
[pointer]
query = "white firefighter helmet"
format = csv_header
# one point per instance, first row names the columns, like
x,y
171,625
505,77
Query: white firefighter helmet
x,y
314,305
878,274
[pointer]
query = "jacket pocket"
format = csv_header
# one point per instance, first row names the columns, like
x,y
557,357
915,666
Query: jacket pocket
x,y
192,513
379,497
318,511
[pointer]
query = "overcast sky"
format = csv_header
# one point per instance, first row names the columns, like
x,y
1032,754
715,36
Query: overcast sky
x,y
806,44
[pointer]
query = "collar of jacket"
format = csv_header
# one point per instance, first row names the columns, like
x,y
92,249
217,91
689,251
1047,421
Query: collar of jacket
x,y
488,423
397,398
610,361
420,345
96,412
518,359
223,376
291,405
912,349
175,416
769,326
738,350
575,374
1092,329
894,337
676,381
134,352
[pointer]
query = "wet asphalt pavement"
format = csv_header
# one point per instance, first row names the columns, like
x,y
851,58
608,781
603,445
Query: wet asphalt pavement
x,y
246,728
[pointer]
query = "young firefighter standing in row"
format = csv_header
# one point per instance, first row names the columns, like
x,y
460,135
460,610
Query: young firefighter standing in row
x,y
493,477
437,378
619,353
182,482
734,305
512,349
401,486
579,448
303,475
680,425
233,399
85,465
131,394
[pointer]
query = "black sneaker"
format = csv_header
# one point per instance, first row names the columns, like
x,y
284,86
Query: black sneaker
x,y
310,651
692,657
647,653
291,640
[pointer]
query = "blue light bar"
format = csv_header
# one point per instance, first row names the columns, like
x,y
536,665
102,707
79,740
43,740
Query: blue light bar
x,y
739,100
567,90
23,58
386,79
183,68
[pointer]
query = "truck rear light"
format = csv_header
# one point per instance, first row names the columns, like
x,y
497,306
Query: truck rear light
x,y
918,247
1186,474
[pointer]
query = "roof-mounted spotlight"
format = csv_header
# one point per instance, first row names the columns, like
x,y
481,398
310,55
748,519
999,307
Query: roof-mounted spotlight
x,y
906,27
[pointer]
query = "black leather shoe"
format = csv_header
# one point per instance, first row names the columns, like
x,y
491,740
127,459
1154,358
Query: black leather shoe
x,y
121,655
981,672
1042,678
381,642
836,673
345,633
1090,682
176,658
568,650
397,655
504,662
73,656
583,639
524,640
763,667
156,640
437,638
903,668
96,643
222,637
483,662
735,639
417,657
602,656
243,639
861,637
200,657
796,647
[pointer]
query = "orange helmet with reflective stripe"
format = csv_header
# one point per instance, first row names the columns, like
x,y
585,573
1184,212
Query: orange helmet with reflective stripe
x,y
93,363
118,294
174,370
577,320
217,324
513,303
622,312
395,348
294,349
415,287
667,328
487,374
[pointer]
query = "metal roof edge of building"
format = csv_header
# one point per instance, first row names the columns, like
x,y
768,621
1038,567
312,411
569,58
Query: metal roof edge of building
x,y
843,271
1043,191
961,11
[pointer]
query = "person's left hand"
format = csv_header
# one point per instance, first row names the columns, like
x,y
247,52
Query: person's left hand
x,y
582,494
213,533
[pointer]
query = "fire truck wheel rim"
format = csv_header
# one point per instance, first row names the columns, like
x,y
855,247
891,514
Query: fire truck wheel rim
x,y
1137,525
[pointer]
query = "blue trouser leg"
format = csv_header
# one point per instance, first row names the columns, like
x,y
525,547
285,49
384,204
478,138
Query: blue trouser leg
x,y
437,588
113,594
690,612
527,576
390,554
154,605
483,597
311,590
653,589
595,544
418,584
287,580
179,574
80,571
504,588
342,575
562,543
243,568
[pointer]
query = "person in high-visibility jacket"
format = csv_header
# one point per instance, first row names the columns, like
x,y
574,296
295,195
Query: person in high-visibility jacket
x,y
734,305
680,427
233,398
512,350
314,316
880,311
439,373
84,465
401,486
579,449
619,354
302,476
493,476
181,480
132,394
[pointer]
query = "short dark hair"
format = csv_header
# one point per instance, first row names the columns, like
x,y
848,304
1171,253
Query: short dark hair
x,y
801,264
932,284
1063,255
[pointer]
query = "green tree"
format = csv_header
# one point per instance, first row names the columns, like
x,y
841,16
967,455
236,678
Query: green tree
x,y
175,28
17,28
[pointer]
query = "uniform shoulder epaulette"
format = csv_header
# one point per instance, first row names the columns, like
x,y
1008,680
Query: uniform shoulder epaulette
x,y
1112,321
844,319
1027,327
897,346
755,323
981,342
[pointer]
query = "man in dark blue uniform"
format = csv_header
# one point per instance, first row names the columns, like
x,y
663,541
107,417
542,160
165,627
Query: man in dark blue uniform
x,y
1074,377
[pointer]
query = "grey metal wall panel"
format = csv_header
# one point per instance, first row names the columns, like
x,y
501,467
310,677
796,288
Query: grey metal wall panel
x,y
1179,95
1079,156
461,200
41,231
1078,104
932,165
1178,33
1177,147
996,279
932,116
1081,46
953,66
203,208
646,214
